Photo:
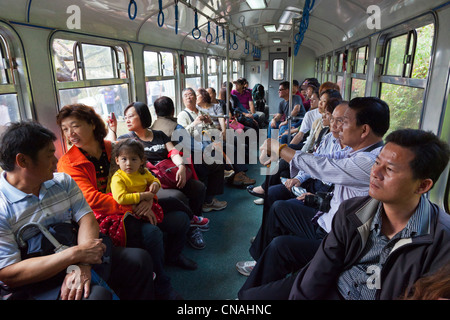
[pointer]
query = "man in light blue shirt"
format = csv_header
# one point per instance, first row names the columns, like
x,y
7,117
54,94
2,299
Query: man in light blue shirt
x,y
30,192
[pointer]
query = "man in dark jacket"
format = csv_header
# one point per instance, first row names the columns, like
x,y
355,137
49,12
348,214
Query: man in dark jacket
x,y
380,244
383,243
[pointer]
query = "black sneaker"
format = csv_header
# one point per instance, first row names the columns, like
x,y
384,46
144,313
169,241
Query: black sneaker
x,y
195,238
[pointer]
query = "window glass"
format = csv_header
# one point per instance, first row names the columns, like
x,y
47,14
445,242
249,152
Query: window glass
x,y
360,60
423,51
156,89
167,64
212,65
13,101
9,110
194,83
151,63
405,105
3,74
98,62
64,60
340,62
395,55
104,99
192,64
278,69
212,82
358,88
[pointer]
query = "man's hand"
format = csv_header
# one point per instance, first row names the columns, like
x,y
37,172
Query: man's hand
x,y
292,183
268,152
77,281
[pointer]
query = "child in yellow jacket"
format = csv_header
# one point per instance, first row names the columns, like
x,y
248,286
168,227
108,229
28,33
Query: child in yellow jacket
x,y
132,182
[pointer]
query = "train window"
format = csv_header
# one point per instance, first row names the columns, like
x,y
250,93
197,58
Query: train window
x,y
319,70
213,73
361,59
278,69
158,63
92,74
160,81
358,77
12,102
340,62
339,69
405,71
236,69
193,68
3,69
316,69
151,62
98,61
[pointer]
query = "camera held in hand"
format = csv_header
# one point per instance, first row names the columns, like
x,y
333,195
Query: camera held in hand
x,y
320,201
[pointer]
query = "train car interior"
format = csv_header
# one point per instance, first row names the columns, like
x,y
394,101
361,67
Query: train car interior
x,y
56,53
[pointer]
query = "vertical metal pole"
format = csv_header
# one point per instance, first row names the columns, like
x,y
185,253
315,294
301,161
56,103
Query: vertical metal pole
x,y
228,71
291,73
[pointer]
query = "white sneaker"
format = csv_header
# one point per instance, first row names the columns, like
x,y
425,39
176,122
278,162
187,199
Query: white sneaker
x,y
245,267
259,201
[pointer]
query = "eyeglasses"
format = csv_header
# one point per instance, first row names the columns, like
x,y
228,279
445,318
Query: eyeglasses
x,y
281,89
338,121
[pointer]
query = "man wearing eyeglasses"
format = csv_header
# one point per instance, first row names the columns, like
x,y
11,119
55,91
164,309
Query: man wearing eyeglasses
x,y
298,110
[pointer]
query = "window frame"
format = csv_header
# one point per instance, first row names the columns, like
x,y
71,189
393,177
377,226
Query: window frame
x,y
198,69
408,28
82,82
215,74
284,69
352,66
161,76
17,81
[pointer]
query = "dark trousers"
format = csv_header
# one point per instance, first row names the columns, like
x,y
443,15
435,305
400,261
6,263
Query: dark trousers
x,y
195,191
289,242
192,195
212,176
280,192
142,234
283,171
130,277
285,217
132,274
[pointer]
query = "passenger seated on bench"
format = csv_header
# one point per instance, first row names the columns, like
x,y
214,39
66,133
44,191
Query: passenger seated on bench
x,y
280,119
396,215
304,126
158,147
366,120
88,162
356,260
330,144
31,191
212,175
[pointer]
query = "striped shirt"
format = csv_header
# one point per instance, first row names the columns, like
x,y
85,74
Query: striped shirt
x,y
362,280
329,147
60,200
348,170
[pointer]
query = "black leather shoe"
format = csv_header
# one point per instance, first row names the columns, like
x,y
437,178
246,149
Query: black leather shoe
x,y
253,193
184,263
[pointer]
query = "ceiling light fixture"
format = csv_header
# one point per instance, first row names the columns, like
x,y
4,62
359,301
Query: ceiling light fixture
x,y
257,4
270,28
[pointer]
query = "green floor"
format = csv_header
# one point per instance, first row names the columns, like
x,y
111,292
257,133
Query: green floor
x,y
227,242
